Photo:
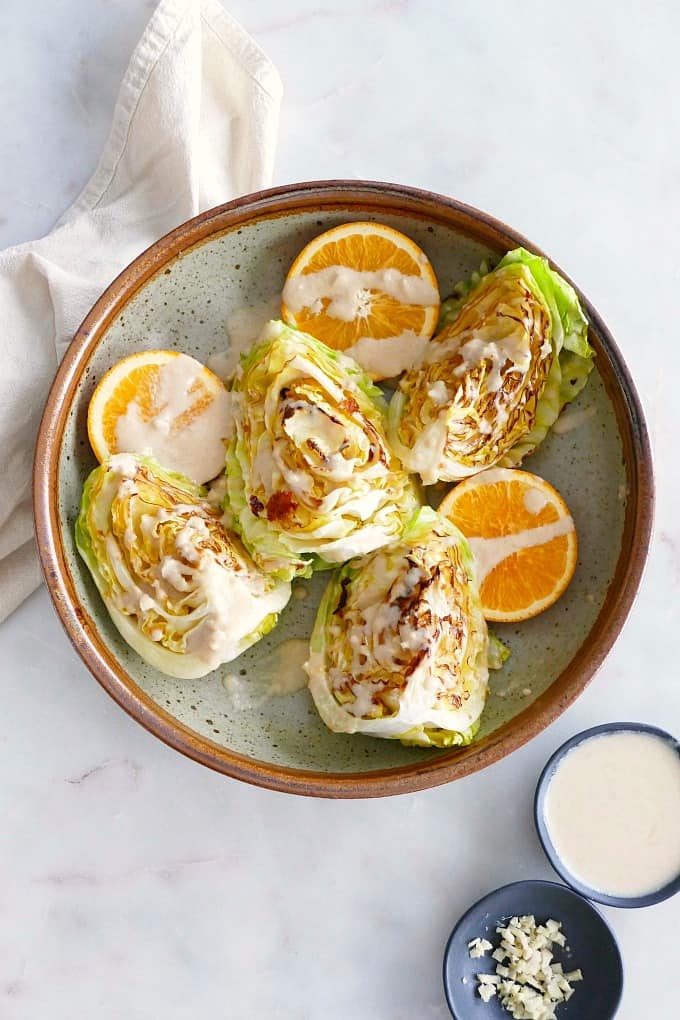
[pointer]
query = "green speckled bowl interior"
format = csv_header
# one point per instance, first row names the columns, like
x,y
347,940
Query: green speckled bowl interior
x,y
187,306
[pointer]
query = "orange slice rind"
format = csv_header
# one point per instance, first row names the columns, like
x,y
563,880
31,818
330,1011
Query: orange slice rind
x,y
166,405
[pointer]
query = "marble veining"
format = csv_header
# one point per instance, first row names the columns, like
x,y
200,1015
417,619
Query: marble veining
x,y
136,884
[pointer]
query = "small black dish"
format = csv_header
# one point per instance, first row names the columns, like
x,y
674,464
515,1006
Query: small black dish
x,y
558,865
590,941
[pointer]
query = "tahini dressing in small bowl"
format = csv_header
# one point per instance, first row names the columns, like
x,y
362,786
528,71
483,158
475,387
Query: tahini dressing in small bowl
x,y
611,813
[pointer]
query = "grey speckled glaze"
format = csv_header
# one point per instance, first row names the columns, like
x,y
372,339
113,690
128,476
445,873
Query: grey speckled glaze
x,y
186,307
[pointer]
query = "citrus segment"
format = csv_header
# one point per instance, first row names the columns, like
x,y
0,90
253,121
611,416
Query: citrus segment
x,y
522,537
367,290
164,404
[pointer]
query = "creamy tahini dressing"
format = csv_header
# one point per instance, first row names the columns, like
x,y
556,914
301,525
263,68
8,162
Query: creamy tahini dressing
x,y
613,813
534,500
428,451
439,394
497,353
234,610
390,356
244,327
289,667
570,420
288,676
489,552
357,543
124,465
348,290
192,446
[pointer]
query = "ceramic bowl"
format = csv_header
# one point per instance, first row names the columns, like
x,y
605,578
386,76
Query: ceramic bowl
x,y
222,271
647,899
591,946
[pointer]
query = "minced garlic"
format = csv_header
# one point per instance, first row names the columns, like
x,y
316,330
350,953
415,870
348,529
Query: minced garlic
x,y
528,984
478,947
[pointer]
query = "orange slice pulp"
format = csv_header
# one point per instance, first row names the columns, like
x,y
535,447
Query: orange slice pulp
x,y
365,289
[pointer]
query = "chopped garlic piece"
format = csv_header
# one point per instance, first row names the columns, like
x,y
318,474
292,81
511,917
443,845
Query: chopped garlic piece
x,y
478,947
486,992
574,975
527,982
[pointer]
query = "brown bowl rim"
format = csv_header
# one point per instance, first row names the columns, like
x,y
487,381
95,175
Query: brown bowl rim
x,y
82,630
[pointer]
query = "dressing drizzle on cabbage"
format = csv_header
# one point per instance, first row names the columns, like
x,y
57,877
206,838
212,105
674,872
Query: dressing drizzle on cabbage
x,y
180,587
311,479
512,350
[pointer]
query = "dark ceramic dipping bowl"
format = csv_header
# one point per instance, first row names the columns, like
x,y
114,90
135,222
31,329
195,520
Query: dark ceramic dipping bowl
x,y
592,947
663,893
226,268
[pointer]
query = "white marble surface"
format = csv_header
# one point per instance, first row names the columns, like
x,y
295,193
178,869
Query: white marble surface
x,y
135,884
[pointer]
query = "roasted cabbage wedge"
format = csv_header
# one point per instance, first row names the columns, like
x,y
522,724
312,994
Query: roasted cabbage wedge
x,y
180,588
311,480
399,647
512,351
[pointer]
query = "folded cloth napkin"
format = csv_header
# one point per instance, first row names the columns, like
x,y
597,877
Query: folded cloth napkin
x,y
194,125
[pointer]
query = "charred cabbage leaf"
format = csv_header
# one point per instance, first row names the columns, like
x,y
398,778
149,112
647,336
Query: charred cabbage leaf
x,y
512,350
399,647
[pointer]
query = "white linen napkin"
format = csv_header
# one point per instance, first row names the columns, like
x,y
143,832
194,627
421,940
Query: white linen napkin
x,y
194,125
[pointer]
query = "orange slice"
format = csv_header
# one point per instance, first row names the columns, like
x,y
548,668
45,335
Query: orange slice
x,y
522,537
164,404
367,290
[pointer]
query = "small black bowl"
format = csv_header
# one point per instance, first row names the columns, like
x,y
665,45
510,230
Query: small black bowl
x,y
591,946
557,863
